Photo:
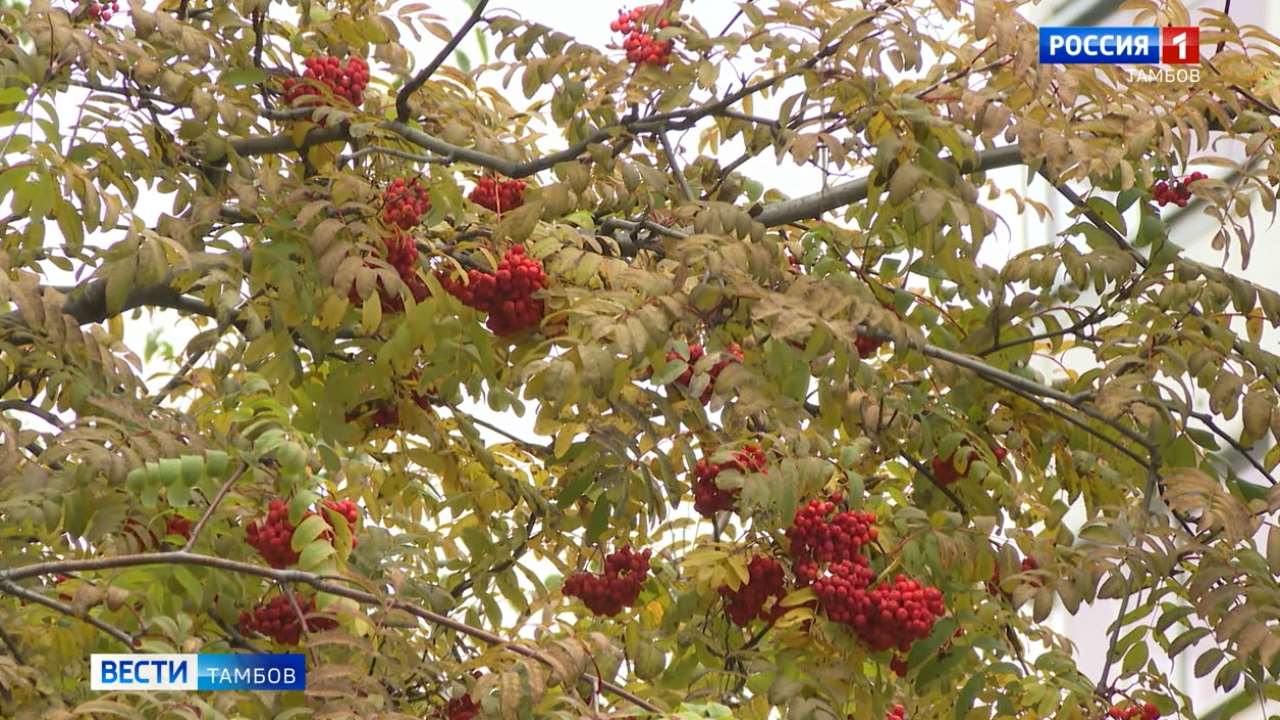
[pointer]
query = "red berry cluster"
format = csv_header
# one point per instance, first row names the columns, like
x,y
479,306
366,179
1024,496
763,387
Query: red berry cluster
x,y
947,471
708,498
506,294
102,11
731,354
897,712
867,345
889,615
816,539
177,525
1145,711
345,81
461,708
748,601
498,196
348,510
401,254
272,537
404,202
1176,191
174,524
886,616
278,620
642,47
618,587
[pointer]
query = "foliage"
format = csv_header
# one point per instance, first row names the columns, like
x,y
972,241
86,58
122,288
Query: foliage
x,y
857,339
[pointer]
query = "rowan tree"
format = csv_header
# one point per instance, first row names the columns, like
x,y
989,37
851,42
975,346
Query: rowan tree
x,y
378,247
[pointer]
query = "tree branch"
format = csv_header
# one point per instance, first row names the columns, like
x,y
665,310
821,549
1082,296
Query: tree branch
x,y
810,206
402,154
213,506
9,577
402,97
31,409
675,167
8,587
12,645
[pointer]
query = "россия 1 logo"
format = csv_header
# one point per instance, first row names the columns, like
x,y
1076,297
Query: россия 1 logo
x,y
1125,46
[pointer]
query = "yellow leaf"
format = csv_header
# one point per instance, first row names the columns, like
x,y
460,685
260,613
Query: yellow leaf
x,y
371,314
799,597
738,564
331,314
795,616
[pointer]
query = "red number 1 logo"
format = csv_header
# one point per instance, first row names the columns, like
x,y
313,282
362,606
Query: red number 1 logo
x,y
1179,45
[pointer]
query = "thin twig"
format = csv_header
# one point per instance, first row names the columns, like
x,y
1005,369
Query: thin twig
x,y
213,506
513,438
1208,421
12,645
920,468
402,97
1115,637
675,167
234,637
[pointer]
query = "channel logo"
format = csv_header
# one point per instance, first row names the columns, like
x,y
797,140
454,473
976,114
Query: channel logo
x,y
1119,45
135,672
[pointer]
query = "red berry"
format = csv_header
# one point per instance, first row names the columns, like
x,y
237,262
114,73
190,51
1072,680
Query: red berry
x,y
278,620
748,601
616,588
461,708
708,498
498,196
505,294
816,538
272,536
177,525
346,82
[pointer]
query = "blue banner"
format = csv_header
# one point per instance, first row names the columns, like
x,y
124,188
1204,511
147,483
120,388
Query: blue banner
x,y
1099,45
145,671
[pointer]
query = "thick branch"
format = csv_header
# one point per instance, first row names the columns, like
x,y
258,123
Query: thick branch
x,y
10,588
31,409
810,206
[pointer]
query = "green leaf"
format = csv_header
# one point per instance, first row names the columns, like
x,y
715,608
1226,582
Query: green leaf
x,y
1273,549
237,77
1108,212
599,520
1186,639
306,533
314,554
190,585
574,489
1135,658
1207,662
193,469
964,701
